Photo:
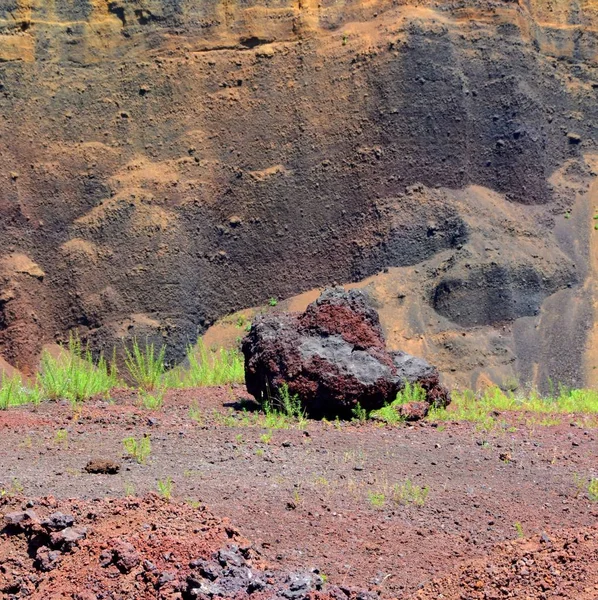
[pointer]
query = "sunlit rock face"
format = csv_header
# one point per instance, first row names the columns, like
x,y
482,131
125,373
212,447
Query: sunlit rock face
x,y
165,163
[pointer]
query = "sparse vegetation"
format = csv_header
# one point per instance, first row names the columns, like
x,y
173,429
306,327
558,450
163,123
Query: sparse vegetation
x,y
207,367
586,485
62,437
74,375
195,414
152,400
165,487
129,489
408,492
519,529
15,488
273,301
359,413
283,410
145,366
376,499
138,449
14,393
389,413
479,408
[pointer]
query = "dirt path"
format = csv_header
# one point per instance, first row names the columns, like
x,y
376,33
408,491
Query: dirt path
x,y
328,497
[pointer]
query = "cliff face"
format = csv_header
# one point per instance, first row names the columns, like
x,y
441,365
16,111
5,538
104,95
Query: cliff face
x,y
165,163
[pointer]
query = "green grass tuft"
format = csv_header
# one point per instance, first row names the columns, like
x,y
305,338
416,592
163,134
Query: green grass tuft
x,y
478,408
138,449
410,493
145,366
206,368
283,410
75,376
165,487
14,393
389,413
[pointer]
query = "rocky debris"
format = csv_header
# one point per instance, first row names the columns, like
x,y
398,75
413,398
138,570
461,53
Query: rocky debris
x,y
333,356
57,521
68,538
21,519
101,466
413,411
46,559
122,554
229,574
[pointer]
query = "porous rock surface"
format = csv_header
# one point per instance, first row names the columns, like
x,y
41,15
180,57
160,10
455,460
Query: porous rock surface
x,y
169,552
333,356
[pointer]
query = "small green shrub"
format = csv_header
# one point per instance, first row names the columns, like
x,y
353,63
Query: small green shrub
x,y
376,499
14,393
593,489
196,414
165,487
207,368
283,410
410,493
74,375
138,449
62,437
389,413
146,367
273,301
152,400
519,529
359,413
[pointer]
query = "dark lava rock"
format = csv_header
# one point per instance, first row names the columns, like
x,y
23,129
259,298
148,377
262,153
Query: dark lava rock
x,y
232,577
58,521
333,356
104,467
46,559
21,519
67,538
122,554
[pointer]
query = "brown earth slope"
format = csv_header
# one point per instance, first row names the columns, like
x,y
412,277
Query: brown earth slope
x,y
166,163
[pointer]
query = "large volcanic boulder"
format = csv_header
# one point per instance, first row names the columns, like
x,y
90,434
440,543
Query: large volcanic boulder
x,y
333,356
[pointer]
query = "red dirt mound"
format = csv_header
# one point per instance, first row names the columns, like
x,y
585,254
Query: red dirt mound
x,y
544,567
136,548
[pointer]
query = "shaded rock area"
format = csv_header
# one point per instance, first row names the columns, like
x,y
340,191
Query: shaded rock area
x,y
333,356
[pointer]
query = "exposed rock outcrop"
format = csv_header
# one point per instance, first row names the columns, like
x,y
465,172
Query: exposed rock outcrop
x,y
333,357
166,163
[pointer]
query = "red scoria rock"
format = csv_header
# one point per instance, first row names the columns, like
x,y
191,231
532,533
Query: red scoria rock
x,y
333,356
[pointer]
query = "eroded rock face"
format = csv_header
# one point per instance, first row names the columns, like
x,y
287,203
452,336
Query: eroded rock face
x,y
166,163
333,357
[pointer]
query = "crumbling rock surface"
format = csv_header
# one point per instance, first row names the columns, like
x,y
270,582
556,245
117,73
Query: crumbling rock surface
x,y
333,357
170,551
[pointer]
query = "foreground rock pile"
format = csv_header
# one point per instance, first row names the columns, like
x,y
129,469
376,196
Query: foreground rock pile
x,y
334,357
138,548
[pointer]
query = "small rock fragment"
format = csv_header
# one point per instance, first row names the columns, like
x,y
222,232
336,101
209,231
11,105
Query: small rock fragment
x,y
67,538
58,521
46,559
21,519
101,466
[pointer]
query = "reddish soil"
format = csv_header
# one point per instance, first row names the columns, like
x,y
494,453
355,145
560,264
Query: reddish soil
x,y
321,498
